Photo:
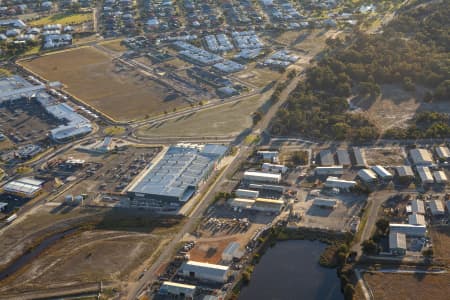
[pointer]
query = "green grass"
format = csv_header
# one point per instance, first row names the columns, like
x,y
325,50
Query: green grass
x,y
63,19
34,50
114,130
5,73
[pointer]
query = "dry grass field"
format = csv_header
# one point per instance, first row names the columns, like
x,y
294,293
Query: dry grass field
x,y
409,287
226,120
385,156
91,75
440,237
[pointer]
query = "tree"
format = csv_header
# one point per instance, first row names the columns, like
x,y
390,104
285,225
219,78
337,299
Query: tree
x,y
382,226
349,291
369,247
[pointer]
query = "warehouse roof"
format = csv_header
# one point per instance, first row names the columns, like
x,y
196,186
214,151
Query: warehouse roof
x,y
382,172
440,176
195,266
437,207
179,172
397,240
335,182
326,158
404,171
443,152
416,219
325,202
343,157
425,174
367,175
178,285
359,157
262,174
27,186
417,206
421,156
15,87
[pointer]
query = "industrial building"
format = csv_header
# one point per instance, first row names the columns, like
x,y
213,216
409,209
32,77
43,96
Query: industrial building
x,y
443,152
367,175
232,251
360,159
334,182
24,187
16,87
176,177
425,174
246,193
258,204
74,125
325,203
409,230
382,173
268,167
440,177
437,208
331,170
417,207
397,243
404,171
267,187
186,291
205,271
343,157
262,177
421,157
416,219
326,158
269,155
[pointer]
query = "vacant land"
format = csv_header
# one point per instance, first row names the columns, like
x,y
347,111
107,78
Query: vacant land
x,y
408,286
114,45
385,156
226,120
63,19
92,76
441,238
94,252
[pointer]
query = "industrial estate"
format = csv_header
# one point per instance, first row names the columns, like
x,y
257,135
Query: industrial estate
x,y
166,149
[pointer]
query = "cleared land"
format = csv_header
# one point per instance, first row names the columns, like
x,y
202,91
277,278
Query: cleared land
x,y
92,76
441,238
114,45
109,245
385,156
406,286
226,120
63,19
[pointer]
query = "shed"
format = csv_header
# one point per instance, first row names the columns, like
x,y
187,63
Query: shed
x,y
416,219
178,289
443,152
437,208
421,157
360,159
205,271
417,207
397,243
425,174
334,182
343,157
326,158
440,177
268,167
367,175
247,193
232,251
330,170
382,172
262,177
325,203
404,171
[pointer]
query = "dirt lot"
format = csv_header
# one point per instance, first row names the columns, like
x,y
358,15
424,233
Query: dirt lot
x,y
406,286
440,236
111,245
226,120
92,76
394,156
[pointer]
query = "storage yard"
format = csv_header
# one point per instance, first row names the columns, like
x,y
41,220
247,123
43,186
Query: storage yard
x,y
92,76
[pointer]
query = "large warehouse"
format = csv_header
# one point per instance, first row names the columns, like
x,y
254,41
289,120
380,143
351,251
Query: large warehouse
x,y
186,291
176,177
205,271
16,87
24,187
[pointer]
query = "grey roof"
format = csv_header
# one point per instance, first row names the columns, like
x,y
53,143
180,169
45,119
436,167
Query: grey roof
x,y
179,171
404,171
16,87
397,240
326,158
343,157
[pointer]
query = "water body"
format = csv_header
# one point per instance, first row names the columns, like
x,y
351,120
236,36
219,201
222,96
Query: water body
x,y
291,271
33,253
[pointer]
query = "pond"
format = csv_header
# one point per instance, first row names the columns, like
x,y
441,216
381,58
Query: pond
x,y
291,270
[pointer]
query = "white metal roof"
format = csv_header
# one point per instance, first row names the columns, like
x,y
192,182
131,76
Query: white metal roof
x,y
421,156
437,207
367,175
443,152
382,172
404,171
425,174
416,219
397,240
440,176
417,206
